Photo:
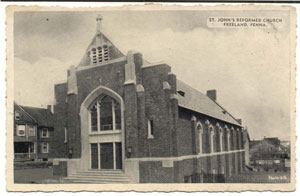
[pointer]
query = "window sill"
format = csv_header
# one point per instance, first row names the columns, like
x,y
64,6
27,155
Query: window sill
x,y
105,132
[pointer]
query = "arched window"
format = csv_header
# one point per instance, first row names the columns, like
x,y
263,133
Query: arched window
x,y
242,138
232,142
105,114
212,145
200,132
238,136
221,138
228,139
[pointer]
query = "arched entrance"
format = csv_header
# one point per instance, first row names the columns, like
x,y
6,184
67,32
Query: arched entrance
x,y
102,130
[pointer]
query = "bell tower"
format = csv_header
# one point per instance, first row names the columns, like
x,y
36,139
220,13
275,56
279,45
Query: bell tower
x,y
101,49
100,52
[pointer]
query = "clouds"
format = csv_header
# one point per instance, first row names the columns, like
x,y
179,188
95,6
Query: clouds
x,y
34,82
248,67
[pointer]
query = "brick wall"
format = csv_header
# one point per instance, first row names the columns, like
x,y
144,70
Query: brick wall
x,y
158,109
59,149
154,172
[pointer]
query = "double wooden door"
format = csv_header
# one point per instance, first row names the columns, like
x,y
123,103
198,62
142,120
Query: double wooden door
x,y
106,155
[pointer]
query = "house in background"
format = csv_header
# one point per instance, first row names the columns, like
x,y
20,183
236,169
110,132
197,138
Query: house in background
x,y
269,155
33,133
122,119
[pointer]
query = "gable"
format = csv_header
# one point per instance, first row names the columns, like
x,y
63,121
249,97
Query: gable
x,y
25,118
99,41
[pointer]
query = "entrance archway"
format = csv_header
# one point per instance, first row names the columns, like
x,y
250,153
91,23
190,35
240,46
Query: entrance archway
x,y
102,130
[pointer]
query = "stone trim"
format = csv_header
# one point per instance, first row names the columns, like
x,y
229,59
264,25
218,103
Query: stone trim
x,y
80,68
130,68
185,157
140,88
60,82
166,85
173,96
153,64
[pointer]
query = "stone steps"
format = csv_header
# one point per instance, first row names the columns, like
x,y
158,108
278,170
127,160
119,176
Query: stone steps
x,y
98,177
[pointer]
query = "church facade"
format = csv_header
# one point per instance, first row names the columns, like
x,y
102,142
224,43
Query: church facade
x,y
119,113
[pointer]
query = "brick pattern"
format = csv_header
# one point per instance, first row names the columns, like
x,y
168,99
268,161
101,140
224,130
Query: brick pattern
x,y
59,147
154,172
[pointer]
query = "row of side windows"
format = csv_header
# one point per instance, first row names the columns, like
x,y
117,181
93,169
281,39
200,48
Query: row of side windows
x,y
213,137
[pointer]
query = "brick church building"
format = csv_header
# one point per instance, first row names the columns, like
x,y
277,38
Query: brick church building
x,y
121,119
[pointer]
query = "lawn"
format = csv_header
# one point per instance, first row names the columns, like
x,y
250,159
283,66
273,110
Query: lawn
x,y
36,175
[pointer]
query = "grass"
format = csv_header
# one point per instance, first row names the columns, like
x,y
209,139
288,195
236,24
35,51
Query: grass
x,y
31,165
33,176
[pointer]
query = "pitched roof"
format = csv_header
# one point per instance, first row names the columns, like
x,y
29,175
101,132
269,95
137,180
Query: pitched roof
x,y
198,102
24,117
42,116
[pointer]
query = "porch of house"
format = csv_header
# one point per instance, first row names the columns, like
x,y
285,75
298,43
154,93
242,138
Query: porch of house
x,y
24,151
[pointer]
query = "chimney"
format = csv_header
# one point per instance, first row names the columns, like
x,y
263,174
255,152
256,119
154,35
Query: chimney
x,y
49,107
239,121
212,94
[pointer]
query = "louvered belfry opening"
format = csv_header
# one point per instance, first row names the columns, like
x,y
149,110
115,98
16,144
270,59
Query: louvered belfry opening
x,y
99,52
100,55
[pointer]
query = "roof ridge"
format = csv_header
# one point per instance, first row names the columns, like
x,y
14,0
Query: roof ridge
x,y
21,107
32,107
226,111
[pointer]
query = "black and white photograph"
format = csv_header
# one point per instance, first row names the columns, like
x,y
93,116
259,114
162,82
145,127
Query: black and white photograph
x,y
142,95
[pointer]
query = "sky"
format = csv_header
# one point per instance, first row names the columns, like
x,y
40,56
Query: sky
x,y
249,68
